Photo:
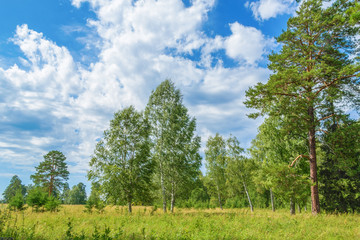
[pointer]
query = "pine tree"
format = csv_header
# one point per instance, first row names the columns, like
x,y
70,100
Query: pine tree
x,y
52,172
14,187
316,63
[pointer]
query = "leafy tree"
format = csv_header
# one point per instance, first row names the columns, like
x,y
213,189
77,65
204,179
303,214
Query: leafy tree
x,y
238,169
316,64
216,164
121,161
65,195
275,146
340,171
14,187
175,146
78,194
52,172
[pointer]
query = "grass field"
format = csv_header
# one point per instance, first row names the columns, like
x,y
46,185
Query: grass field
x,y
71,222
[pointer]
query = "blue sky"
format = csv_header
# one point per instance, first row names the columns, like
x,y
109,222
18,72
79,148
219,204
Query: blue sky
x,y
67,65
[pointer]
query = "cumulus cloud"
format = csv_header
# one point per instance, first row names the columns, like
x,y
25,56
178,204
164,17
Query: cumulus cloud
x,y
247,43
53,102
266,9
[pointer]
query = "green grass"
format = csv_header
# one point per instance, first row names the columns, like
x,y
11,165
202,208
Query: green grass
x,y
183,224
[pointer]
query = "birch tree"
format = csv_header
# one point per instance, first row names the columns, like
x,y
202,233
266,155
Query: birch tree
x,y
216,163
121,163
175,145
238,169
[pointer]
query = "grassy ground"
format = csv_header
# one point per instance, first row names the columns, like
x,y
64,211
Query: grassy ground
x,y
115,223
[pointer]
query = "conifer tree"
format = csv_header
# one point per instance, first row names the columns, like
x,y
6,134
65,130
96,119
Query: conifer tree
x,y
52,172
316,64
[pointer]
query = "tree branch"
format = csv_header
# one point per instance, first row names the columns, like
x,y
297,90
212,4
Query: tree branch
x,y
335,80
326,117
303,156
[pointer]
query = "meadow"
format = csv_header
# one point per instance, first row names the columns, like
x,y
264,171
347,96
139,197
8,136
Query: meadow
x,y
71,222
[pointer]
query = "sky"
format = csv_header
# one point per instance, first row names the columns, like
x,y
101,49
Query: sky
x,y
67,65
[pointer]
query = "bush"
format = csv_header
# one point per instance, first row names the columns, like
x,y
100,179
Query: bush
x,y
37,198
52,204
17,202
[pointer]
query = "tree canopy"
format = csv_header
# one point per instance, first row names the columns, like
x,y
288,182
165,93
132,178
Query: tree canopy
x,y
52,172
121,162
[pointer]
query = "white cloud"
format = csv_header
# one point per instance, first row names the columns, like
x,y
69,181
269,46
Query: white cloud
x,y
141,43
266,9
247,43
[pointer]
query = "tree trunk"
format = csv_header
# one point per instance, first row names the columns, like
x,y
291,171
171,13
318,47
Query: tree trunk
x,y
219,197
163,192
292,207
51,185
315,209
299,208
272,200
248,196
172,201
130,207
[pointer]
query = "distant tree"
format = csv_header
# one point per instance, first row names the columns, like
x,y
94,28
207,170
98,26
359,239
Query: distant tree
x,y
175,145
238,169
216,164
65,194
52,172
78,194
14,187
318,61
121,162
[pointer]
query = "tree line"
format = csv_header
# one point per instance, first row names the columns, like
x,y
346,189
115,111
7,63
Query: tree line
x,y
151,157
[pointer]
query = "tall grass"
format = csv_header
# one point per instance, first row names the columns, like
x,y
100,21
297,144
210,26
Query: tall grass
x,y
71,222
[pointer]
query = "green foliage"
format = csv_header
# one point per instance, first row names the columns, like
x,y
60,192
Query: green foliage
x,y
121,162
37,198
340,171
315,66
274,149
52,204
216,164
77,195
95,200
175,145
14,187
51,173
17,202
287,183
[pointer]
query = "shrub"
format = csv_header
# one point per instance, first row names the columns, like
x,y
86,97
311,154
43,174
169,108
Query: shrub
x,y
37,198
52,204
17,202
